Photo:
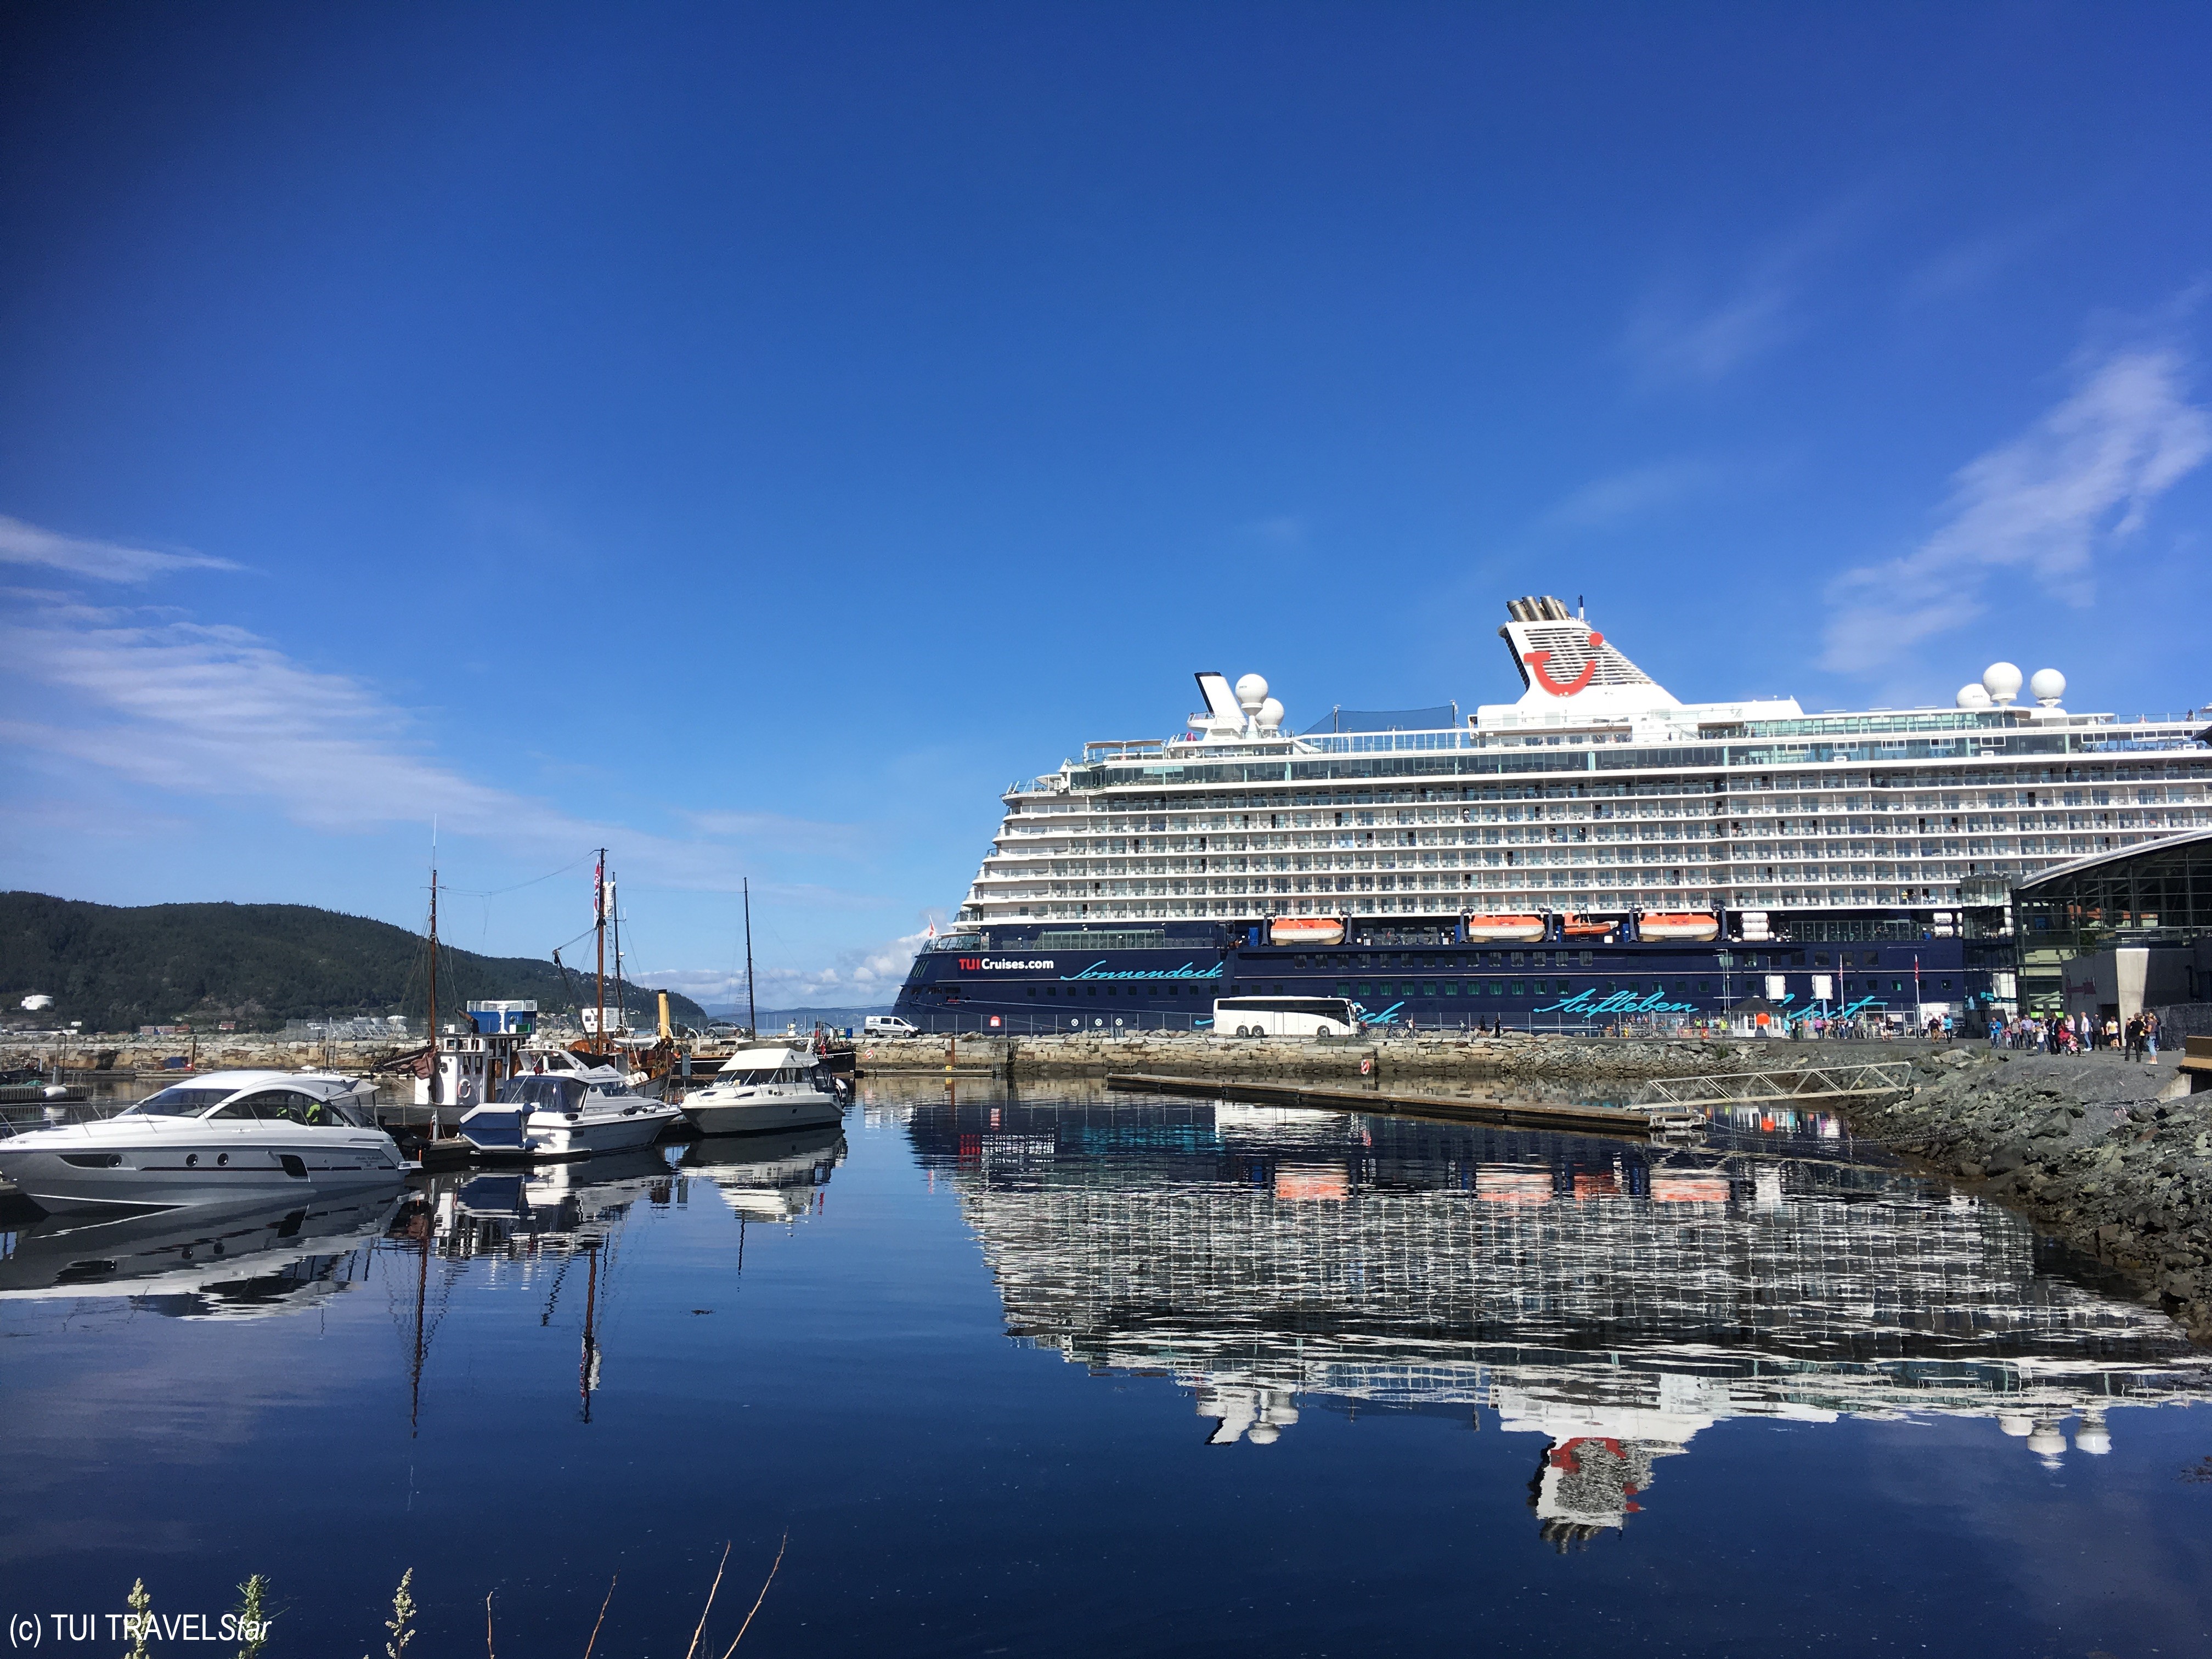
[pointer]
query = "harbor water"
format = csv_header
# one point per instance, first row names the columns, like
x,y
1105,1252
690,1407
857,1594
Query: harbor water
x,y
1016,1370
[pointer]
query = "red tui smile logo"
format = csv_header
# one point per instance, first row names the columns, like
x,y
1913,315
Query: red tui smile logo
x,y
1536,660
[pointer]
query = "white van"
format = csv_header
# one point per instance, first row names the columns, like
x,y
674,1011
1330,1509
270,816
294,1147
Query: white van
x,y
1287,1016
888,1025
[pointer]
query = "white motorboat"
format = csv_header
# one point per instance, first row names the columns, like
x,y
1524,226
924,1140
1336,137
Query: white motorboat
x,y
551,1115
245,1138
758,1089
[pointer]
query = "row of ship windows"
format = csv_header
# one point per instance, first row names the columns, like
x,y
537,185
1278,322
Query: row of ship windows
x,y
1581,804
1888,836
1864,986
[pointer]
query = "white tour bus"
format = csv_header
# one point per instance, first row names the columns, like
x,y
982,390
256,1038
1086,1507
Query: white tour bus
x,y
1293,1017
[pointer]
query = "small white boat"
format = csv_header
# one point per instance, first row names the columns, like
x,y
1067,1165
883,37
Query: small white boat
x,y
546,1116
758,1089
247,1138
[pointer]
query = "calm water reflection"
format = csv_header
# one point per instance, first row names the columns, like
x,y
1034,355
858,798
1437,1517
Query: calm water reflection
x,y
1338,1384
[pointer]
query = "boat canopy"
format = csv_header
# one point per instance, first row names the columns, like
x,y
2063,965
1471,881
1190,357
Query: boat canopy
x,y
544,1093
764,1059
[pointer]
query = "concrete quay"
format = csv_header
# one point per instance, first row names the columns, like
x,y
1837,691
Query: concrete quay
x,y
1597,1063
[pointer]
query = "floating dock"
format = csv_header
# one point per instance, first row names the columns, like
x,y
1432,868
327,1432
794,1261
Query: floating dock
x,y
1518,1114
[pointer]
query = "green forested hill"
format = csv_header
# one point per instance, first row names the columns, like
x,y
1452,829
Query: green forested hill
x,y
260,964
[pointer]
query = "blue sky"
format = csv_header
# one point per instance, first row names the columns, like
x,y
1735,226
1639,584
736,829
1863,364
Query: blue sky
x,y
751,436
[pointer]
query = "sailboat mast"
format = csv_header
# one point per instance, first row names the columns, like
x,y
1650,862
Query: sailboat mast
x,y
622,995
752,1019
437,1080
599,922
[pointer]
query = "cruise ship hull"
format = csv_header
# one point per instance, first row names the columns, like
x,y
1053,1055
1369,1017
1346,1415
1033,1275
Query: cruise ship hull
x,y
1430,975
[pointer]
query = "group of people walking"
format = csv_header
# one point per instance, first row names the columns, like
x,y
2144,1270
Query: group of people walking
x,y
2077,1034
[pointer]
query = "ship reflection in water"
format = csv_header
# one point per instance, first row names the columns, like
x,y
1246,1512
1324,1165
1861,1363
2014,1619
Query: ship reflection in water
x,y
1613,1298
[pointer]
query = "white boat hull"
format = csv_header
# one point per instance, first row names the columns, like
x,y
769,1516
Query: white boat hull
x,y
800,1109
207,1168
557,1134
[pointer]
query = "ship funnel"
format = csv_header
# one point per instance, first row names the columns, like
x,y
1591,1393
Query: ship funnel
x,y
1513,610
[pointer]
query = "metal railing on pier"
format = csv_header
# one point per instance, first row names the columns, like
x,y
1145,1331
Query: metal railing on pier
x,y
1797,1086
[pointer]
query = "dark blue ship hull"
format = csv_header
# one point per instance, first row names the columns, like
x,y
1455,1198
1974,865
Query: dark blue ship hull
x,y
1029,980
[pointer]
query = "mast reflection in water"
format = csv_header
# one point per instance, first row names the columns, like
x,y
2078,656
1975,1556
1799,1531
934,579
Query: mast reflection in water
x,y
1614,1298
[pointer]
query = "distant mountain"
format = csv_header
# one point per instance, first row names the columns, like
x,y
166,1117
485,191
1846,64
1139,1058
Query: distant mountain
x,y
116,968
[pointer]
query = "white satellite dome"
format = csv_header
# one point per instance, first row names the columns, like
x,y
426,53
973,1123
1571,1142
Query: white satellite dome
x,y
1971,696
2002,681
1271,714
1252,691
2047,687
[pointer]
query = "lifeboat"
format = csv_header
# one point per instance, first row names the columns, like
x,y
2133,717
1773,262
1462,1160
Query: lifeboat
x,y
1306,930
1519,929
1583,927
1690,925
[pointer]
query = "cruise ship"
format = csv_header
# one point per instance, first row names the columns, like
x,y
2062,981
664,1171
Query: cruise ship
x,y
1591,855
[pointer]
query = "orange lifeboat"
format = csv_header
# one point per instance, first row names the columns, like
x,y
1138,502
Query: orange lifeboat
x,y
1679,924
1583,927
1306,930
1521,930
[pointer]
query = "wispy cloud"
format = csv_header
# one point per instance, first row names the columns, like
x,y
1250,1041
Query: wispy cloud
x,y
859,978
211,710
98,561
1970,263
1282,529
2076,484
775,830
1682,333
1606,501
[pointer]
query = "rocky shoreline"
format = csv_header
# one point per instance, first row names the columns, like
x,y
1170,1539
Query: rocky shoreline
x,y
2113,1156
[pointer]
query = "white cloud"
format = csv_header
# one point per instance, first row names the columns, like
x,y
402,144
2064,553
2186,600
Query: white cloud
x,y
860,978
1606,501
106,561
2074,486
208,709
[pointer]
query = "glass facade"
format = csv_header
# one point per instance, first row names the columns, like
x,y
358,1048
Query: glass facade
x,y
2161,895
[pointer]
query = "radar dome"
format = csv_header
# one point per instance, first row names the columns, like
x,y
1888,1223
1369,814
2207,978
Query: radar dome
x,y
1271,714
2002,681
2048,686
1252,690
1972,696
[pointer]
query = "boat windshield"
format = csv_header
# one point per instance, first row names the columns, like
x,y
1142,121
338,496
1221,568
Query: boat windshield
x,y
177,1102
765,1074
542,1093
